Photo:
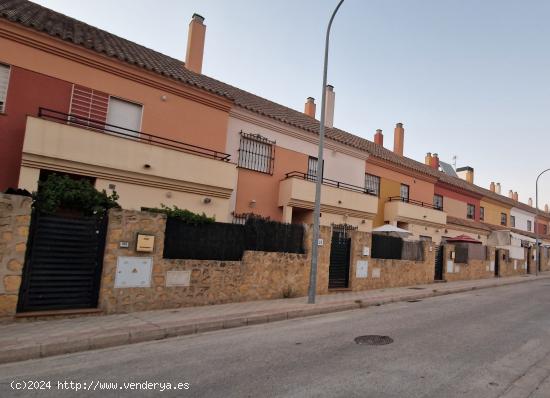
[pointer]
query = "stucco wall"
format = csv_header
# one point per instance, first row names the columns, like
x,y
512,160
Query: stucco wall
x,y
521,219
15,218
493,213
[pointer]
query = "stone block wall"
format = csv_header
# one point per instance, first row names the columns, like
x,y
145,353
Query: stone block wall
x,y
544,260
473,269
15,218
385,273
258,276
509,266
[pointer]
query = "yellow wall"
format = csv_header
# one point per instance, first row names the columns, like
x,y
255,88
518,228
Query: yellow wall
x,y
388,188
493,211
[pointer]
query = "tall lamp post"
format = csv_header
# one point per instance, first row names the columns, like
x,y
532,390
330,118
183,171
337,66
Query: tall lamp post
x,y
319,177
536,229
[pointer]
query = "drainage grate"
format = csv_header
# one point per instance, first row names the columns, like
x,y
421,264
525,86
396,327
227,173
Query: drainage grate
x,y
413,301
373,339
417,288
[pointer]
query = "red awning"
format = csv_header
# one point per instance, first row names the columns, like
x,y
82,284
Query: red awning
x,y
463,239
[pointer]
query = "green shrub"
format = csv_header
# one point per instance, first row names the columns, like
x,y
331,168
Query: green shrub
x,y
183,214
62,193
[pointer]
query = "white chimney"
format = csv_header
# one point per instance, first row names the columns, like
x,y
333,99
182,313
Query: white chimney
x,y
329,107
530,202
497,188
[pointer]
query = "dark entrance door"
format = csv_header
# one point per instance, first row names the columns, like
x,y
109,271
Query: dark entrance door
x,y
63,263
497,262
338,271
529,260
438,263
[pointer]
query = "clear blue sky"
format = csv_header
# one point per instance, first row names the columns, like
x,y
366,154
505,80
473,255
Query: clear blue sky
x,y
468,78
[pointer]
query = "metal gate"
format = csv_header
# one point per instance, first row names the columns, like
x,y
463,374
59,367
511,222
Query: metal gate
x,y
338,271
63,263
497,262
438,263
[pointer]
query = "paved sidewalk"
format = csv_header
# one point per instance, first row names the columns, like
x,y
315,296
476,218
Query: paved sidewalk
x,y
27,340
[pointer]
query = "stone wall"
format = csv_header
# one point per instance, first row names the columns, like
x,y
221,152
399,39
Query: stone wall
x,y
509,266
473,269
259,275
544,259
15,218
382,273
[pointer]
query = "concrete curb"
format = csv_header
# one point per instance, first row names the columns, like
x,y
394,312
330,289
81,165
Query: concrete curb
x,y
163,330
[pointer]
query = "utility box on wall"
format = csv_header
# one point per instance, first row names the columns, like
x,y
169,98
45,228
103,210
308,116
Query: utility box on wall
x,y
133,272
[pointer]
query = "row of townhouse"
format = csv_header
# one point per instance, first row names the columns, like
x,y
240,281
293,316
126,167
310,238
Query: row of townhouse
x,y
78,100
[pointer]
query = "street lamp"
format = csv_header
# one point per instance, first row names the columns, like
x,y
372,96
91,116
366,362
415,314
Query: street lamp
x,y
319,177
536,229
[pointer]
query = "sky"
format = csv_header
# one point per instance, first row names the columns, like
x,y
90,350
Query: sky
x,y
467,78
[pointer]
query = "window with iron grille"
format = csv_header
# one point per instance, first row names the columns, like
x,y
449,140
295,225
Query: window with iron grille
x,y
256,153
471,211
405,192
513,221
438,202
4,79
372,184
528,225
544,229
312,168
503,219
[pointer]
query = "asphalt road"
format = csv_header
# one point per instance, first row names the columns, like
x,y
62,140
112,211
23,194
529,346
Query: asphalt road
x,y
476,344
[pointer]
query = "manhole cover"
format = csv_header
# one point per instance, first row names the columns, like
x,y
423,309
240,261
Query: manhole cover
x,y
413,301
417,288
373,339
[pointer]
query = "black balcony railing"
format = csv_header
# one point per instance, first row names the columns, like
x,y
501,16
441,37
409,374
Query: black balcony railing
x,y
414,202
329,182
123,132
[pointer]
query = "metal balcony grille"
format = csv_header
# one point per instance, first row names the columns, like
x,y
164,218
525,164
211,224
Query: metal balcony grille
x,y
256,153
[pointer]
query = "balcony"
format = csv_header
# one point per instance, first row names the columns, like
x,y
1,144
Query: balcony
x,y
297,190
413,211
147,170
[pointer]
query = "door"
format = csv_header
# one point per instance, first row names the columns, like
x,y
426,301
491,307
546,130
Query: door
x,y
63,263
338,271
439,263
497,262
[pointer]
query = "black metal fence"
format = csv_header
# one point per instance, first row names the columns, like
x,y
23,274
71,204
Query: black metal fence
x,y
227,242
394,248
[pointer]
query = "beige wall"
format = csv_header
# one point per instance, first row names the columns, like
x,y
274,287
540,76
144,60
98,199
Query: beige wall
x,y
454,208
173,177
406,211
449,231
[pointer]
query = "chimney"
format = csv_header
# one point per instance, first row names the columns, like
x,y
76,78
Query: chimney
x,y
195,44
530,202
511,194
435,161
546,208
497,188
428,159
466,173
398,139
329,107
379,137
492,186
516,197
310,107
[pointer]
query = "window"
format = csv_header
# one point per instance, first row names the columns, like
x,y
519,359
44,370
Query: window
x,y
438,202
312,168
471,211
513,221
4,79
528,225
126,115
405,192
544,229
372,184
503,219
256,153
88,104
481,213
